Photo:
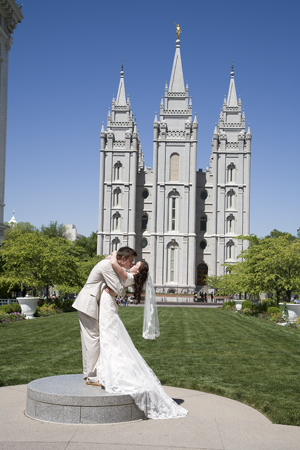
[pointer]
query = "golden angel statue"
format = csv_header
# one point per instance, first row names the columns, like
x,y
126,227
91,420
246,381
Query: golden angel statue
x,y
178,30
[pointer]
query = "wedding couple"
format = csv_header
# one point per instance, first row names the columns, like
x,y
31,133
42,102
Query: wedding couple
x,y
109,356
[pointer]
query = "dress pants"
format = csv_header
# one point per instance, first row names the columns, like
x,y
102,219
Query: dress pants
x,y
90,340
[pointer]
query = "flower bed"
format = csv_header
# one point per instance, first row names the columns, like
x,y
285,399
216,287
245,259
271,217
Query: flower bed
x,y
12,317
265,310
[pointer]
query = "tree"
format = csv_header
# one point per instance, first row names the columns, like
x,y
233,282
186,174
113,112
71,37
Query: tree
x,y
88,244
23,227
270,264
35,260
276,233
54,230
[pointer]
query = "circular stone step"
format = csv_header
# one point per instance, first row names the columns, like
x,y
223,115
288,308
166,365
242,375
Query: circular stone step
x,y
68,399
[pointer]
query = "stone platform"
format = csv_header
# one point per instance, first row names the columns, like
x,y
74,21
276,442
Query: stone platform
x,y
68,399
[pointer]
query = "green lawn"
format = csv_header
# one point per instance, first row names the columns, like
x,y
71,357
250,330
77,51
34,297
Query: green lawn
x,y
212,350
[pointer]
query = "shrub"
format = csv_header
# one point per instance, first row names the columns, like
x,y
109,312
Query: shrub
x,y
67,305
277,318
247,304
275,310
265,304
12,307
228,305
58,303
247,311
44,311
264,315
229,308
12,317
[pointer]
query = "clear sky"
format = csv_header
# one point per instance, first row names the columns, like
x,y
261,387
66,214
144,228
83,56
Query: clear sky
x,y
64,69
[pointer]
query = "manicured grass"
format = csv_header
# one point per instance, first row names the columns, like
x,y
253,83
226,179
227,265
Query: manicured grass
x,y
212,350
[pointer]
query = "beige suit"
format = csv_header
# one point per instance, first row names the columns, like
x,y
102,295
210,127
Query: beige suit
x,y
87,304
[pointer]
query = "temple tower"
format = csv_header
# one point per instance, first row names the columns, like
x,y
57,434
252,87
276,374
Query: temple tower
x,y
10,16
120,159
224,190
174,186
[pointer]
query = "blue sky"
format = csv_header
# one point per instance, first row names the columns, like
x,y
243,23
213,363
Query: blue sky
x,y
64,69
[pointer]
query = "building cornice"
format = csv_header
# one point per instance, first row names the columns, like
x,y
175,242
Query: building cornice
x,y
12,14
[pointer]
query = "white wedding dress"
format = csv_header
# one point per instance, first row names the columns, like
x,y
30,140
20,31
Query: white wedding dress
x,y
122,369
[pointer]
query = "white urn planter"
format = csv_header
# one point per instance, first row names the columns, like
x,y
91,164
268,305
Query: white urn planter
x,y
28,306
238,304
293,310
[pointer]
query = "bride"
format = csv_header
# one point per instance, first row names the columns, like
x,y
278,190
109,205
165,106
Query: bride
x,y
121,367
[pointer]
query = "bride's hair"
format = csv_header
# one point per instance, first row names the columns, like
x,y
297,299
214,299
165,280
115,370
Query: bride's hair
x,y
140,279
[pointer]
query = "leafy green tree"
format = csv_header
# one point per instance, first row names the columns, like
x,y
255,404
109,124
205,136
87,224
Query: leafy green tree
x,y
88,244
54,229
298,233
276,233
22,227
270,264
35,260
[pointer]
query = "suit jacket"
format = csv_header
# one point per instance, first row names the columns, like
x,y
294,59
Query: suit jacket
x,y
88,299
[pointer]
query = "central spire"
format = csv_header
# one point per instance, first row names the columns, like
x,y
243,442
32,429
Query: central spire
x,y
176,80
121,96
232,99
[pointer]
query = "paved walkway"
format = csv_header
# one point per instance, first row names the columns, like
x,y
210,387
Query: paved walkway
x,y
213,423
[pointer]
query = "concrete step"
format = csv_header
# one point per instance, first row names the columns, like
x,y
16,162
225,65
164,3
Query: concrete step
x,y
68,399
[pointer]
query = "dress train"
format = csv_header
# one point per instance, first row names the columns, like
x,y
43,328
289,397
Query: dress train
x,y
122,369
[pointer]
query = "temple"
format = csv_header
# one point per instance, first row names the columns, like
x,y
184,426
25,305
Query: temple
x,y
183,221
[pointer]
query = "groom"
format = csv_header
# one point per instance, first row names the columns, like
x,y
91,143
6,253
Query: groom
x,y
87,304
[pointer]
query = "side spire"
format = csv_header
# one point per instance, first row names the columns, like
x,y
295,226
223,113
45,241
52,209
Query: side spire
x,y
176,80
232,98
121,96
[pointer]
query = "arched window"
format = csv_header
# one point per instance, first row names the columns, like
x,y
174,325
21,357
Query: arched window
x,y
117,197
174,167
230,224
172,261
115,245
231,173
203,195
203,223
145,194
173,210
117,171
203,245
144,222
229,250
116,222
230,199
143,243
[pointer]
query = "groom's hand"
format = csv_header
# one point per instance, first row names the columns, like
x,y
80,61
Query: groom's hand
x,y
110,291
